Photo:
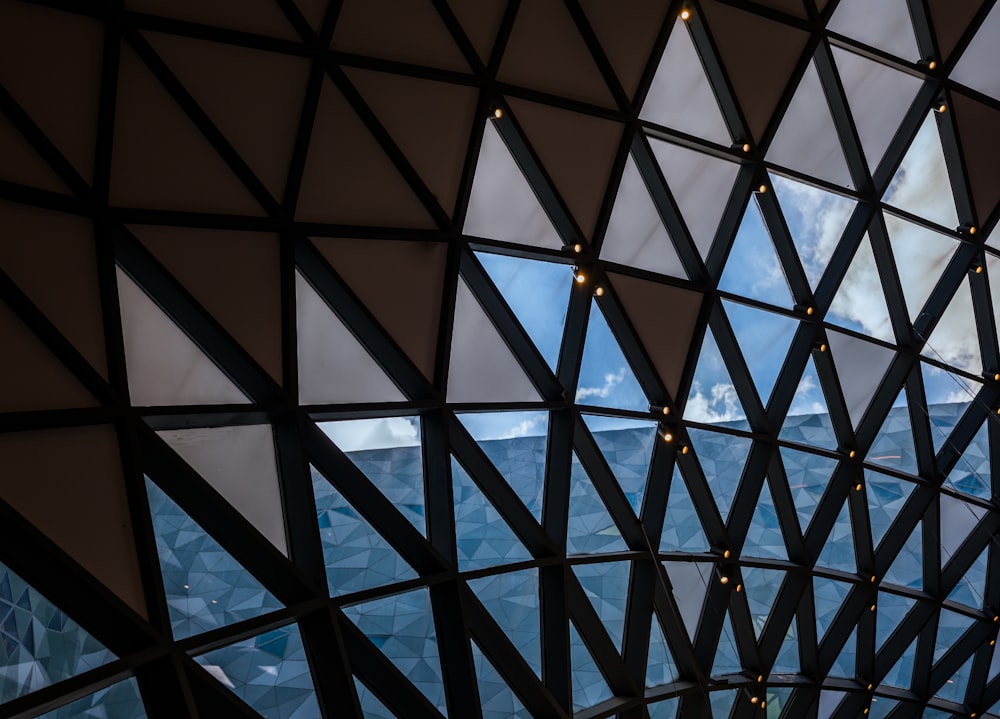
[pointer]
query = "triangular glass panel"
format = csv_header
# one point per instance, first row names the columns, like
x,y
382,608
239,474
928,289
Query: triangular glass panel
x,y
371,706
698,182
722,703
41,645
777,698
636,236
761,587
512,600
959,519
921,256
901,673
497,698
606,586
921,185
763,537
680,96
861,366
606,378
165,366
816,220
954,689
859,304
976,67
482,368
356,556
908,568
722,457
690,585
387,451
828,703
627,447
667,709
948,397
845,665
712,398
482,536
682,528
269,672
886,496
808,419
205,587
727,654
828,596
951,626
753,268
502,205
590,528
402,627
971,588
119,701
972,474
881,707
808,475
515,444
879,97
890,610
885,26
893,446
589,685
764,338
838,550
538,295
660,666
994,663
807,139
787,661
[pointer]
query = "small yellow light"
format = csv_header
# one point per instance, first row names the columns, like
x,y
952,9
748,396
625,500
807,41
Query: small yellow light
x,y
667,437
851,454
979,269
996,619
685,14
724,579
739,588
973,715
684,449
809,311
497,113
746,147
870,687
754,700
822,347
666,410
763,704
580,278
725,555
996,377
857,487
760,678
932,65
972,230
993,642
866,710
941,108
577,248
762,189
871,608
598,291
872,580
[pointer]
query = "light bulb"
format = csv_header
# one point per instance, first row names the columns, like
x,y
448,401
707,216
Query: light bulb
x,y
870,687
761,190
932,65
993,642
666,410
760,678
851,454
763,704
725,555
871,608
497,113
809,310
580,278
598,291
739,588
685,14
578,248
684,449
724,579
667,437
822,346
872,580
996,377
754,700
746,147
979,269
942,107
857,487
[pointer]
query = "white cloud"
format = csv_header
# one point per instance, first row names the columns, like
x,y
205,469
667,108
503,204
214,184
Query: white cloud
x,y
385,432
521,429
720,405
610,382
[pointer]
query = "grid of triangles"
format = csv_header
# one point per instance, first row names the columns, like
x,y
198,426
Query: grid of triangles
x,y
497,358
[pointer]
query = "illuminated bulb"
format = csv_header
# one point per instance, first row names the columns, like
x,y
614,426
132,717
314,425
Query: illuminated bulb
x,y
822,346
979,269
725,554
870,687
724,580
992,642
763,704
667,437
762,189
942,107
754,700
580,278
760,678
857,487
684,449
996,619
746,147
497,113
685,14
872,579
739,588
932,65
871,608
865,711
809,311
578,248
666,410
851,454
996,377
972,230
598,291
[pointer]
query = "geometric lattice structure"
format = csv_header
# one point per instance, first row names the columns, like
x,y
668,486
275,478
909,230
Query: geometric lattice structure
x,y
501,358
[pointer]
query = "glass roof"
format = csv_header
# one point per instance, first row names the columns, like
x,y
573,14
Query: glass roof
x,y
558,360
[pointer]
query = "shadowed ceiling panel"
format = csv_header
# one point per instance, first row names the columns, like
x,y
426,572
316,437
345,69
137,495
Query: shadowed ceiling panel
x,y
254,98
262,17
664,317
430,121
759,56
160,158
545,52
69,484
314,11
977,127
234,275
791,7
21,164
348,179
627,31
950,19
480,19
66,290
404,294
402,30
63,55
576,150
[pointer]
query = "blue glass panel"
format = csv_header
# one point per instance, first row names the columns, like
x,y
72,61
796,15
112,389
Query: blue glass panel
x,y
689,583
371,707
722,703
931,713
808,419
881,707
606,585
761,587
828,703
828,595
859,304
954,689
951,626
764,338
886,495
712,398
808,475
846,661
119,701
666,709
921,185
970,589
907,569
901,673
763,537
890,609
483,537
589,686
627,446
722,457
39,645
402,627
727,655
356,556
515,444
590,528
512,601
838,552
387,451
893,445
682,530
948,396
752,268
787,661
660,666
206,588
537,293
777,698
269,672
994,669
606,379
495,695
971,473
